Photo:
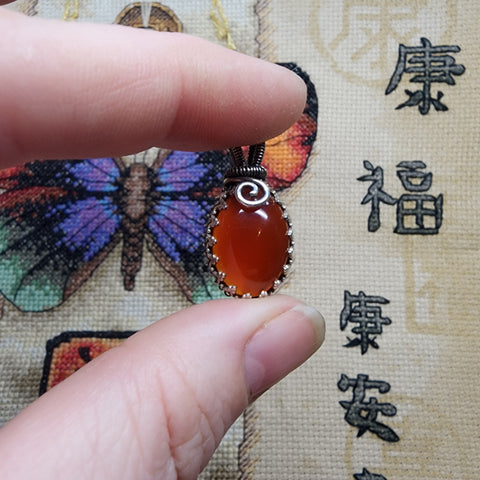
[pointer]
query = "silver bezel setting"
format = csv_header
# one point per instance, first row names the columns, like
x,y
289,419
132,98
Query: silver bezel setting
x,y
210,241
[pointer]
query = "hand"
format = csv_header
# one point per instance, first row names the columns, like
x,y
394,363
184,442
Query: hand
x,y
157,406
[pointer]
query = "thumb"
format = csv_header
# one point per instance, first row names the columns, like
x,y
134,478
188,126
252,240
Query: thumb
x,y
158,406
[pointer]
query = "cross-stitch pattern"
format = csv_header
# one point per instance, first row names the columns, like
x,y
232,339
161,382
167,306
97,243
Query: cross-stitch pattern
x,y
393,102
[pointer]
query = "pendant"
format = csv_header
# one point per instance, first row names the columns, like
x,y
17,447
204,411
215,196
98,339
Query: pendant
x,y
249,235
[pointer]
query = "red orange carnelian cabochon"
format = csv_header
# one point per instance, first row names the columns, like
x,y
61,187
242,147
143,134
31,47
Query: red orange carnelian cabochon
x,y
252,245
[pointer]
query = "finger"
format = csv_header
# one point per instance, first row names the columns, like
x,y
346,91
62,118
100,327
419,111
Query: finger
x,y
157,406
77,90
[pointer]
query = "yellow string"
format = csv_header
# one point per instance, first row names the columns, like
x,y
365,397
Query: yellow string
x,y
70,11
221,23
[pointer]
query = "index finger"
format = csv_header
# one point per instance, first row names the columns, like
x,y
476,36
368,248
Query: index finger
x,y
73,90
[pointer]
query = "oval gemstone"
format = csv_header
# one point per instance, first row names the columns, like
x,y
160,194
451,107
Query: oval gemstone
x,y
251,245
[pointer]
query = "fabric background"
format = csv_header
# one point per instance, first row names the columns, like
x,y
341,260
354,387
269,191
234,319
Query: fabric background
x,y
429,354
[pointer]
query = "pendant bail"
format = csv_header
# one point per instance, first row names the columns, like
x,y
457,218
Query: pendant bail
x,y
250,167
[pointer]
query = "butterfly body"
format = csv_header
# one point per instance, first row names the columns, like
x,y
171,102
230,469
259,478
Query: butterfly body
x,y
135,202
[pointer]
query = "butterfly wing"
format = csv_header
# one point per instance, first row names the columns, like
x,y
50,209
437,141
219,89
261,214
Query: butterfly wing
x,y
286,156
57,222
187,185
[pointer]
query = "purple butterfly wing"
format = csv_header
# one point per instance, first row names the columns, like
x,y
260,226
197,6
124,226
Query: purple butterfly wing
x,y
57,220
186,184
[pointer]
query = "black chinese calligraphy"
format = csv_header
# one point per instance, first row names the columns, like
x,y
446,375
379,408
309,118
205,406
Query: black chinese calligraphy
x,y
364,311
424,211
375,194
366,475
363,414
428,64
418,213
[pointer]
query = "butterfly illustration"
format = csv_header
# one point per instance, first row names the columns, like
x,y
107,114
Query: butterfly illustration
x,y
59,219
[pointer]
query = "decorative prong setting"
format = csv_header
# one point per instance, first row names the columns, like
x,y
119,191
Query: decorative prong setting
x,y
230,290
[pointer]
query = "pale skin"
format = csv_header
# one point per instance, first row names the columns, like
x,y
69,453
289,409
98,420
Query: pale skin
x,y
156,407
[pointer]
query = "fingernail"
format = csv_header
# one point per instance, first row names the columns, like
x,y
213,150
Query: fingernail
x,y
282,345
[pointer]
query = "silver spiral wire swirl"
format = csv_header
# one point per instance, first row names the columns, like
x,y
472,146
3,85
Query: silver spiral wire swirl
x,y
248,175
250,192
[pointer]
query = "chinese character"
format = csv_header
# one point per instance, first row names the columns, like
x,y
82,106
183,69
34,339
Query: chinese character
x,y
366,475
428,64
417,212
363,415
423,212
360,309
379,21
375,194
